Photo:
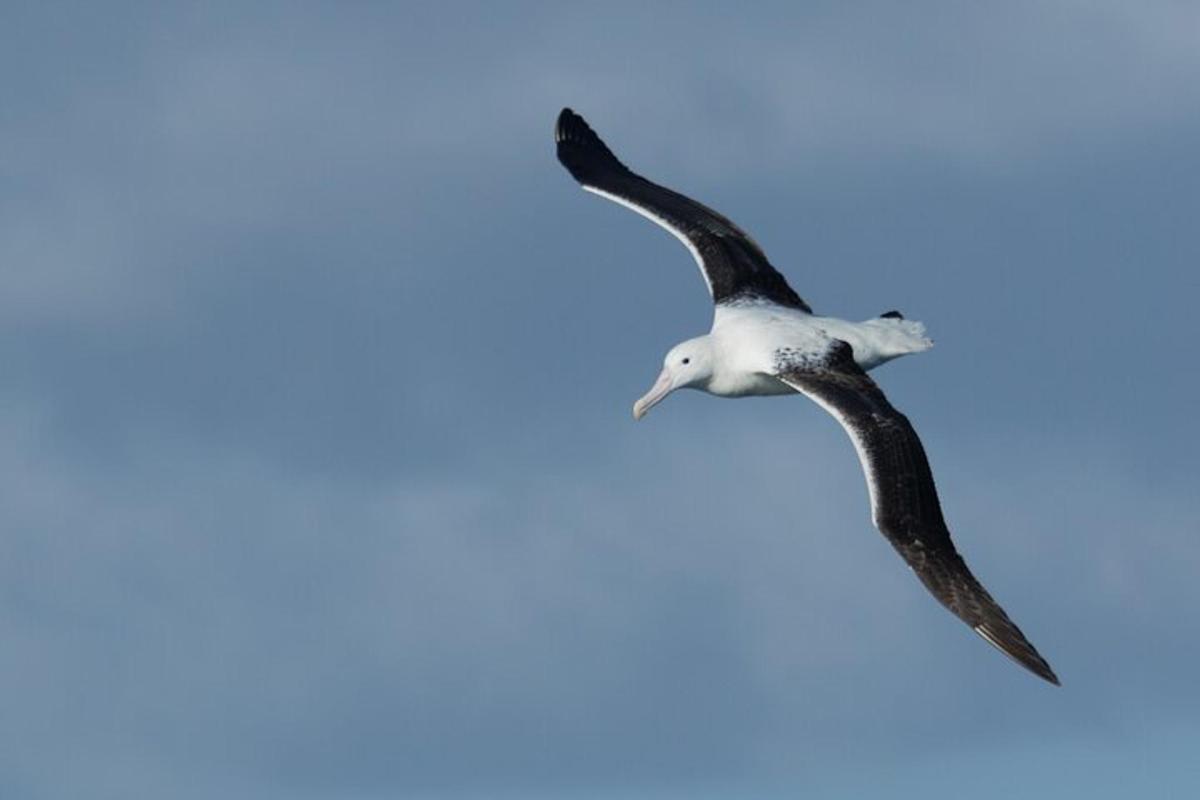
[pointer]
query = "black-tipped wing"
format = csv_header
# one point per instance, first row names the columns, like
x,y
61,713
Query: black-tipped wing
x,y
732,264
904,502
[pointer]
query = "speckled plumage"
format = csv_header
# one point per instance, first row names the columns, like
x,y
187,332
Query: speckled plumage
x,y
765,340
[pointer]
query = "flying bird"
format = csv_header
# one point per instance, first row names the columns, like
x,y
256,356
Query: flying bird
x,y
766,340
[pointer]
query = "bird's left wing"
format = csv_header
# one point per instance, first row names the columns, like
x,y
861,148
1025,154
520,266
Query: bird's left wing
x,y
733,265
904,501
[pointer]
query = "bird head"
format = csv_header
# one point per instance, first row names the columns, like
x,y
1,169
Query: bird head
x,y
688,365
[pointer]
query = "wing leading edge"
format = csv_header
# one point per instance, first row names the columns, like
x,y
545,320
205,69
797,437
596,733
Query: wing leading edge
x,y
904,501
732,264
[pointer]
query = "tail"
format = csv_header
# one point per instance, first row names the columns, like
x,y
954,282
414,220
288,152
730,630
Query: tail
x,y
899,336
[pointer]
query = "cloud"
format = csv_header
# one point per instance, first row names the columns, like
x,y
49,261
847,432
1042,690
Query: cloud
x,y
319,477
969,87
190,612
292,125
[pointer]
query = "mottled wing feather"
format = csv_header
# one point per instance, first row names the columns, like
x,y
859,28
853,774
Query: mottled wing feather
x,y
733,265
904,501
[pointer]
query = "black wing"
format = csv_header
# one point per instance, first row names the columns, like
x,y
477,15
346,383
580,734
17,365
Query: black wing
x,y
732,264
904,501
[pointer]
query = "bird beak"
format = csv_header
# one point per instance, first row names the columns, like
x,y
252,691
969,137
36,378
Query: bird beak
x,y
662,387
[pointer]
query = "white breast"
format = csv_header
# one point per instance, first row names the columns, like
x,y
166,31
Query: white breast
x,y
747,337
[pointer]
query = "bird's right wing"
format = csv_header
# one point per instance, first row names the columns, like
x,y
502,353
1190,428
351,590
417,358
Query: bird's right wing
x,y
904,501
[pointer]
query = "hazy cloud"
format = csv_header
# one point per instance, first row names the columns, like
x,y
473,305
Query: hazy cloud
x,y
319,476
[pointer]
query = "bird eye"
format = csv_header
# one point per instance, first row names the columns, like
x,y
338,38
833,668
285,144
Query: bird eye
x,y
687,361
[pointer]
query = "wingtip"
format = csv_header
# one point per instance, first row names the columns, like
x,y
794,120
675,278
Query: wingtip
x,y
1047,674
1043,671
560,124
570,125
581,150
1020,650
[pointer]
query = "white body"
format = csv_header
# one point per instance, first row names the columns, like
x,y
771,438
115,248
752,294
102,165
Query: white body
x,y
740,355
745,339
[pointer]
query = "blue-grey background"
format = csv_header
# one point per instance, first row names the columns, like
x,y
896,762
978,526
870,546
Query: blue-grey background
x,y
319,474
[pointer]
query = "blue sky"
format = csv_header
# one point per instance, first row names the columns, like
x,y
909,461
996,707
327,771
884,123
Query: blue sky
x,y
320,479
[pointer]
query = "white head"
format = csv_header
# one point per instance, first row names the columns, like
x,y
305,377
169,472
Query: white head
x,y
689,365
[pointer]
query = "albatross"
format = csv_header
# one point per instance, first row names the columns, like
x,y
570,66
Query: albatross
x,y
766,340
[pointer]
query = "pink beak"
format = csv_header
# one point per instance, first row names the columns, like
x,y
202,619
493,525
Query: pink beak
x,y
662,387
